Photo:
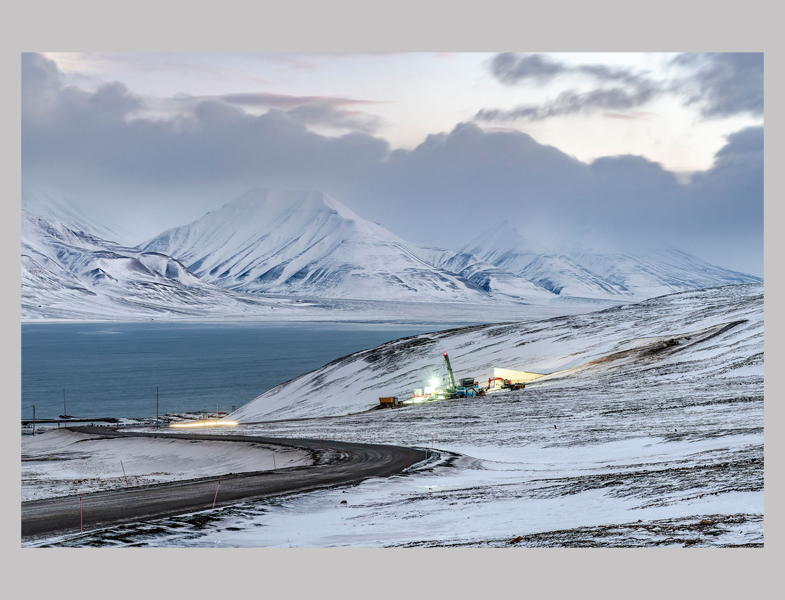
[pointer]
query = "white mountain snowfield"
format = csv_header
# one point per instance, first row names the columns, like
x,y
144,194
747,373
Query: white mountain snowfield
x,y
652,435
55,206
69,274
62,463
306,243
301,255
658,272
72,275
592,274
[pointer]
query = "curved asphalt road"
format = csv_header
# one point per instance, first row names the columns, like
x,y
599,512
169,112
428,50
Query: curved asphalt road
x,y
344,463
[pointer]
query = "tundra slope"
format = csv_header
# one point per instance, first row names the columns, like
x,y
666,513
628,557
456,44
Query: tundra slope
x,y
657,443
354,383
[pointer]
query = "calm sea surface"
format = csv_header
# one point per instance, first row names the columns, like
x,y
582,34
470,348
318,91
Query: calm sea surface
x,y
112,370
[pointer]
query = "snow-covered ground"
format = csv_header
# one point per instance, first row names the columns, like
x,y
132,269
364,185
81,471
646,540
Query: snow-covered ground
x,y
355,383
61,463
659,441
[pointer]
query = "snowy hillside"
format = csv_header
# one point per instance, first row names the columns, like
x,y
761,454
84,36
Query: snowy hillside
x,y
719,331
307,244
651,435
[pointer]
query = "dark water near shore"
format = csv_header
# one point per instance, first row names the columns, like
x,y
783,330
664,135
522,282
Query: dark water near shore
x,y
112,370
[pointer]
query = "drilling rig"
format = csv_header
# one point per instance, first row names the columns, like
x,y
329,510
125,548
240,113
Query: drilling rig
x,y
450,376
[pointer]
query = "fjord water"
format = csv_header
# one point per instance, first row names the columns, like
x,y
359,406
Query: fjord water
x,y
112,370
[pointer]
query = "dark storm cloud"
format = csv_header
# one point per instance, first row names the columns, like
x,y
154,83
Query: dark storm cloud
x,y
725,83
445,191
572,102
721,84
512,68
73,131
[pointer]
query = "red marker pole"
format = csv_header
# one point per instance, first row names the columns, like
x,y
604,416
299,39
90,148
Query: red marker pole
x,y
274,467
81,521
124,475
216,490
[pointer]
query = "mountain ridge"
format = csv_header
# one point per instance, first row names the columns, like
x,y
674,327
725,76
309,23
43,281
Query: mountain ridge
x,y
307,243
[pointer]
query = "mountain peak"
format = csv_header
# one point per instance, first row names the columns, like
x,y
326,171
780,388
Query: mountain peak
x,y
305,242
275,202
500,240
52,204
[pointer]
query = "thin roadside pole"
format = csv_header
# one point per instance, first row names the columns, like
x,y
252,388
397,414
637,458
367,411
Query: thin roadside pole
x,y
216,490
274,467
124,475
33,419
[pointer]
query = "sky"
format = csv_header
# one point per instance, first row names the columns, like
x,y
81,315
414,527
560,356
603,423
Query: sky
x,y
615,151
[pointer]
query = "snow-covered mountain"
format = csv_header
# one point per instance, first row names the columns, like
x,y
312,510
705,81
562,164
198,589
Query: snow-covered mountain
x,y
308,244
504,247
492,279
54,205
588,274
658,272
69,273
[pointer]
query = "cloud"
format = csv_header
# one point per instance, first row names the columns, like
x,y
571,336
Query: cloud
x,y
724,83
157,173
721,84
76,132
322,111
512,68
572,102
327,115
287,101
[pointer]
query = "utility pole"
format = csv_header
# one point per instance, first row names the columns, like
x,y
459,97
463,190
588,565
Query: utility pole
x,y
156,406
33,419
